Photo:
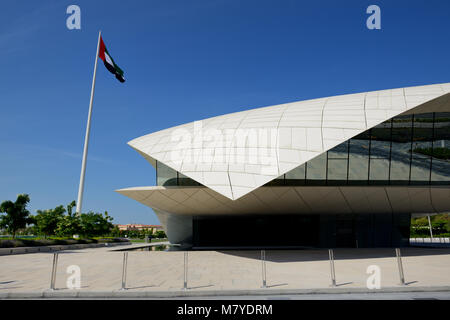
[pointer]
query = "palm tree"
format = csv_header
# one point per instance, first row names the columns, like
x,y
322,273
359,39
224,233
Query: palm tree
x,y
70,206
17,216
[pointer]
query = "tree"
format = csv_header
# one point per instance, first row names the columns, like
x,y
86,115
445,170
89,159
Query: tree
x,y
69,224
17,216
440,223
70,207
160,234
95,224
115,232
46,221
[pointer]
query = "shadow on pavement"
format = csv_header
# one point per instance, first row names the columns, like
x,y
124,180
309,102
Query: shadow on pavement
x,y
343,284
205,286
277,285
280,256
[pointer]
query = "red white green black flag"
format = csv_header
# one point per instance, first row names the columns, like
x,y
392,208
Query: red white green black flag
x,y
109,62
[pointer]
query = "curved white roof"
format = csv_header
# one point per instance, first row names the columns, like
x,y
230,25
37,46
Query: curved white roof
x,y
295,199
237,153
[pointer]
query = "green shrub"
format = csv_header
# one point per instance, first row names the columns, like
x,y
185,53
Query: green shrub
x,y
56,241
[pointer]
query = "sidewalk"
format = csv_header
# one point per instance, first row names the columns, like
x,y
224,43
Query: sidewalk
x,y
160,274
130,294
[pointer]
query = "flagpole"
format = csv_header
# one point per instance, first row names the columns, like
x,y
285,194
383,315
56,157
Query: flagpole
x,y
86,139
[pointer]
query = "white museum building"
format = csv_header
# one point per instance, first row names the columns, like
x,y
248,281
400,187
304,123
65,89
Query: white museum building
x,y
341,171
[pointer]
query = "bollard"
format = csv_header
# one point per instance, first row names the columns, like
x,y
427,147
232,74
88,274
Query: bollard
x,y
400,266
185,270
124,270
55,265
263,264
333,275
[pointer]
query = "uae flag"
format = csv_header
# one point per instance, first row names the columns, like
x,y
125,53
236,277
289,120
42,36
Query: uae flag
x,y
109,62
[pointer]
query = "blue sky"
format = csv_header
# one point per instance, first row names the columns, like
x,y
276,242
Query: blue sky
x,y
183,61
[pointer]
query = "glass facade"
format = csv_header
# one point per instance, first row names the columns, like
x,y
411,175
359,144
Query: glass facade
x,y
166,176
316,230
405,150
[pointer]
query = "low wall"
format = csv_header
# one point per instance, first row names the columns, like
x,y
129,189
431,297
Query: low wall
x,y
22,250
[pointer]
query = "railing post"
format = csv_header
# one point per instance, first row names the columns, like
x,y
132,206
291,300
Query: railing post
x,y
263,264
333,275
431,229
185,278
124,270
54,266
400,266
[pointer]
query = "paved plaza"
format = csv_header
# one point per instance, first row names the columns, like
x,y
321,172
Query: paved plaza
x,y
101,270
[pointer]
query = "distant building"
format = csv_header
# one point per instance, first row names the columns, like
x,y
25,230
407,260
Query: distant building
x,y
139,227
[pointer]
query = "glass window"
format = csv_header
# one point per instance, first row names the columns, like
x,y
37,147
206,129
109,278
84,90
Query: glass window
x,y
379,149
296,176
399,170
440,157
337,171
358,166
276,182
339,152
421,148
401,150
380,145
186,181
398,151
316,168
165,176
420,171
379,171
